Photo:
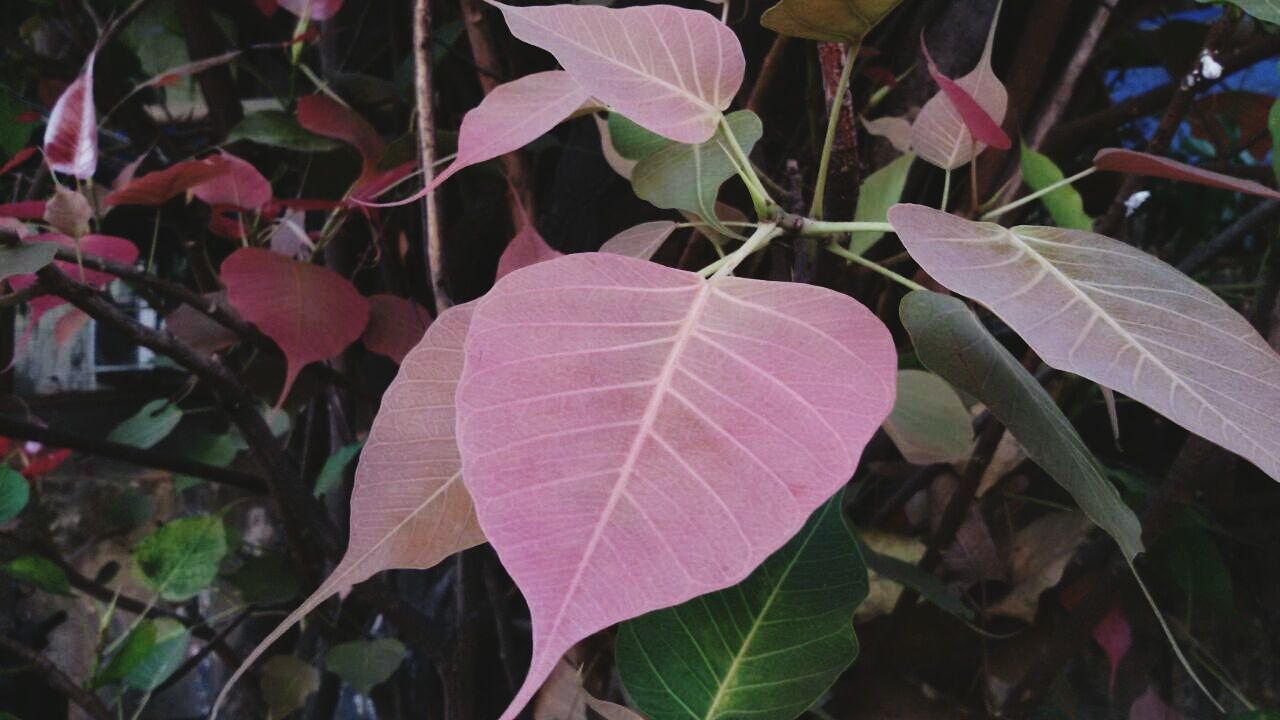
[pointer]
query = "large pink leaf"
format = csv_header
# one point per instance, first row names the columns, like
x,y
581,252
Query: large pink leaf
x,y
241,186
311,312
71,138
395,326
159,187
939,134
979,124
409,507
635,436
1115,315
671,70
641,241
315,9
1133,162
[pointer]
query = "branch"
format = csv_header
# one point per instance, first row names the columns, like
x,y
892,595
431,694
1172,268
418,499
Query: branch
x,y
58,680
1223,241
433,245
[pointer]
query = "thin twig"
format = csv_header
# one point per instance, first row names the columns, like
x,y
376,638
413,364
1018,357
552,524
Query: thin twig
x,y
433,242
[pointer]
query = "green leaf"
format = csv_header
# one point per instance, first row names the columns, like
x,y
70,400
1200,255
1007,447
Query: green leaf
x,y
1065,205
1191,558
331,475
951,341
266,580
25,258
766,648
278,420
210,449
287,682
276,128
1266,10
1258,715
846,21
1273,123
929,423
911,576
169,652
688,177
362,664
40,573
880,191
13,134
181,558
149,425
14,493
135,649
632,141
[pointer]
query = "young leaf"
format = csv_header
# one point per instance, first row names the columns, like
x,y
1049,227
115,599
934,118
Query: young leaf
x,y
894,129
641,241
181,558
1111,313
39,573
71,138
951,342
632,141
409,508
311,312
939,134
287,683
525,249
842,21
929,423
682,429
395,326
106,246
241,186
25,258
1065,205
688,177
1266,10
140,642
159,187
14,493
149,425
68,212
1133,162
365,663
200,331
976,119
612,157
880,191
268,579
671,70
768,647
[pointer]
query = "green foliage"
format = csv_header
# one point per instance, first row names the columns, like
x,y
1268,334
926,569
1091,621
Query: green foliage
x,y
38,572
1065,205
1266,10
166,655
632,141
149,425
216,450
275,128
266,580
14,493
334,469
846,21
1190,557
362,664
136,647
287,682
880,191
181,558
13,134
1273,124
910,576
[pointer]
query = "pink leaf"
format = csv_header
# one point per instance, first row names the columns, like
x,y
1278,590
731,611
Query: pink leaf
x,y
894,129
68,326
159,187
311,312
525,249
71,138
1150,707
241,186
315,9
1115,638
24,210
17,159
127,173
1139,163
641,241
980,124
1111,313
324,116
395,326
409,508
671,70
635,436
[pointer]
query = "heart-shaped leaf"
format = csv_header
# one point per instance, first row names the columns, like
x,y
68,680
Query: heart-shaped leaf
x,y
365,663
395,326
69,213
1133,162
768,647
14,493
159,187
929,423
980,124
409,508
311,312
1111,313
842,21
241,186
671,70
200,331
525,249
641,241
678,430
181,558
325,117
287,683
894,129
71,138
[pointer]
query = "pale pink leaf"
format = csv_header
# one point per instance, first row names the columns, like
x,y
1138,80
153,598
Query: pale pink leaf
x,y
159,187
314,9
1111,313
525,249
289,236
939,134
976,119
635,436
395,326
311,312
894,129
671,70
241,186
71,138
641,241
1133,162
1149,706
127,173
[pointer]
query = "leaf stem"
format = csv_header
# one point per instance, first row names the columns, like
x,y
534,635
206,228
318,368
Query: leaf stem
x,y
836,249
1038,194
822,228
759,196
946,190
833,120
727,264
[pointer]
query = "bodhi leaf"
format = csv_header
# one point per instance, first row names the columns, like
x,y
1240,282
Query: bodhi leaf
x,y
159,187
242,186
311,312
181,558
671,70
170,650
880,191
985,129
632,141
25,258
939,134
276,128
287,683
929,423
951,342
69,213
14,493
396,326
409,508
768,647
677,430
149,425
525,249
266,580
1065,205
641,241
71,138
894,129
140,642
1133,162
842,21
688,177
1113,314
362,664
41,573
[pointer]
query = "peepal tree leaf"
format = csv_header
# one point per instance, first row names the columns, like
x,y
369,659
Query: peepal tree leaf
x,y
1133,162
14,493
149,425
68,212
409,508
396,325
980,124
842,21
1065,205
880,191
688,177
525,249
671,70
313,9
929,423
71,138
635,436
172,639
276,128
311,312
768,647
894,129
951,342
632,141
362,664
159,187
241,186
181,558
939,134
1273,125
641,241
38,572
287,683
135,648
1113,314
25,258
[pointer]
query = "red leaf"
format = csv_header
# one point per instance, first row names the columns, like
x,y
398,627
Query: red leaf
x,y
71,138
45,462
311,312
395,326
980,124
27,117
1133,162
17,159
242,187
159,187
323,116
1115,638
267,7
25,210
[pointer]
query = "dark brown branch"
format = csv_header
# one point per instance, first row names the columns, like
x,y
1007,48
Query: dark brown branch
x,y
57,679
1225,240
433,242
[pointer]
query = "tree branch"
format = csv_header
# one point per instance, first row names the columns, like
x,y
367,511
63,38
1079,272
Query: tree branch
x,y
57,679
433,242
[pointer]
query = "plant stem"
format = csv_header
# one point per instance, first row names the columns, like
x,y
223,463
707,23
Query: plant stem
x,y
836,249
759,196
728,263
433,250
833,119
1038,194
946,190
820,228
